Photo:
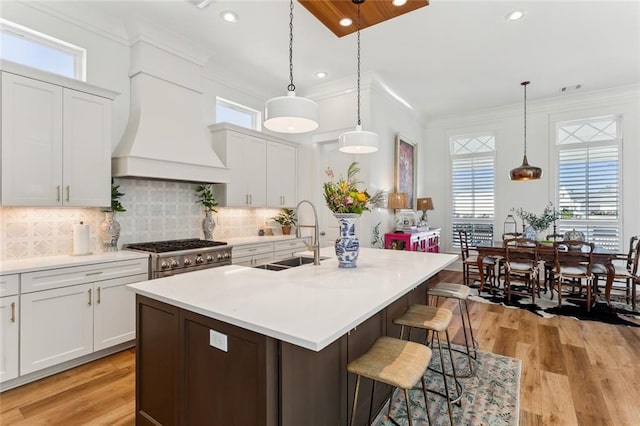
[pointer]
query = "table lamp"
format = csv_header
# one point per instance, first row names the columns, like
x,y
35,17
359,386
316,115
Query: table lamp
x,y
398,201
425,204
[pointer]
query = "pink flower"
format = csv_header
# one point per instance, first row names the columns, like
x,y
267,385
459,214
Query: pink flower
x,y
329,172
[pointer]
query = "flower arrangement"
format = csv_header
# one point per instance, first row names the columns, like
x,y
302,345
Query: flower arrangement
x,y
344,196
538,223
206,198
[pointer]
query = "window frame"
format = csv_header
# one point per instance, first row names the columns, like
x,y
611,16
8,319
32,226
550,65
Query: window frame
x,y
256,115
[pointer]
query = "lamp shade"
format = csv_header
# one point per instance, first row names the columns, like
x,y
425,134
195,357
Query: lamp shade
x,y
358,142
291,114
525,171
425,204
398,200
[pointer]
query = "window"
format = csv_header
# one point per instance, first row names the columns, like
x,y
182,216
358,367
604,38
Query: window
x,y
472,187
589,179
234,113
31,48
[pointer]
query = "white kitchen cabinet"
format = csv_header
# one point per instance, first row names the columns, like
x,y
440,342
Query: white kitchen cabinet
x,y
9,327
252,254
56,144
288,248
282,175
74,311
263,170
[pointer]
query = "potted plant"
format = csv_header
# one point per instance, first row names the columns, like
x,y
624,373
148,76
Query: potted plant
x,y
286,218
207,199
110,228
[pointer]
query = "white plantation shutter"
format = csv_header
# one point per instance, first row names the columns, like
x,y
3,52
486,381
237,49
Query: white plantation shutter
x,y
473,187
589,163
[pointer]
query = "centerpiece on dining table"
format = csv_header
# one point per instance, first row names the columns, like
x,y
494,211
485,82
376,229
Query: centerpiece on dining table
x,y
537,224
347,203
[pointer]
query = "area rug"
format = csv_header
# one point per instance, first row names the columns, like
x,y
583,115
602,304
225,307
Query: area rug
x,y
491,395
573,305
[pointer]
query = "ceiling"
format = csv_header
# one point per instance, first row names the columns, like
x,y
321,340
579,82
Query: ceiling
x,y
448,57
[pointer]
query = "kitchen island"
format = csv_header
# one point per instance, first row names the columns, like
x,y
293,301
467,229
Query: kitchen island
x,y
245,346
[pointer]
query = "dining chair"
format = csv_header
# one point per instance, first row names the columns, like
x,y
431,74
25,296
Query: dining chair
x,y
573,263
500,259
623,264
521,264
470,263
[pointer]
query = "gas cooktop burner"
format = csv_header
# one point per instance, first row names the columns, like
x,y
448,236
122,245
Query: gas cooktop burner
x,y
174,245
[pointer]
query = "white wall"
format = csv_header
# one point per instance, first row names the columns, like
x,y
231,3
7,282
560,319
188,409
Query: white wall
x,y
507,123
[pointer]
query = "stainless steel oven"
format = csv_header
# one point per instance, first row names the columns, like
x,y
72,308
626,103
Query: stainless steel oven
x,y
178,256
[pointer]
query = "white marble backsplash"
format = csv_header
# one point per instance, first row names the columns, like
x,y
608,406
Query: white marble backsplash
x,y
156,210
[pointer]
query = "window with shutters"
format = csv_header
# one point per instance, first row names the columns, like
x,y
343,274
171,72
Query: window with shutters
x,y
37,50
472,187
588,179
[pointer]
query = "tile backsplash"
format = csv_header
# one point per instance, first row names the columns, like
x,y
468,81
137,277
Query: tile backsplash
x,y
156,210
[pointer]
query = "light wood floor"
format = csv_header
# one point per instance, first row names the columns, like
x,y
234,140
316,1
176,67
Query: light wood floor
x,y
573,373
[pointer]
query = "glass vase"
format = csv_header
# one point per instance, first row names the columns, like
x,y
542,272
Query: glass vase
x,y
347,244
110,231
208,225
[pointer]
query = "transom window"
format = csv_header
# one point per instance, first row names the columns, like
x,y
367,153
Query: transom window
x,y
472,186
37,50
235,113
588,182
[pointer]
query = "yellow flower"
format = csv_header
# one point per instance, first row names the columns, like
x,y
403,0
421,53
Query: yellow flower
x,y
362,196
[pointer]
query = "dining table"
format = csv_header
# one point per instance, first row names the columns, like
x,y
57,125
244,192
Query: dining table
x,y
601,255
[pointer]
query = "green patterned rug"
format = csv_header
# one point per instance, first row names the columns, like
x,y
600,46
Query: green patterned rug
x,y
490,396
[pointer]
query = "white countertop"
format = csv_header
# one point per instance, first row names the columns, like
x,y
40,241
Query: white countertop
x,y
309,306
32,264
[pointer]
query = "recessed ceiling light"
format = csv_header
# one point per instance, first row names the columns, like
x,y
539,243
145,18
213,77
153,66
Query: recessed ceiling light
x,y
229,16
345,22
322,74
398,3
515,15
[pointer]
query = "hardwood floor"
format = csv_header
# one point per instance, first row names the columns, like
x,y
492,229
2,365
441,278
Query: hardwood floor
x,y
573,373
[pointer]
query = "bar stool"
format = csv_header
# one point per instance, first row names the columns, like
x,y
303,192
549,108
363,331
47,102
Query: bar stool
x,y
396,362
461,293
436,320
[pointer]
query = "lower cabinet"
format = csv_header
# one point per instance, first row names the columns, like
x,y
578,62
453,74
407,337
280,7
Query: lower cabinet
x,y
9,349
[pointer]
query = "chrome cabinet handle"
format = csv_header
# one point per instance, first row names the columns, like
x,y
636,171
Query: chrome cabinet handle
x,y
89,297
13,311
58,196
88,274
250,199
68,193
98,301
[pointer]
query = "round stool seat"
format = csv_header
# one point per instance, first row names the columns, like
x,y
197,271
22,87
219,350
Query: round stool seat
x,y
427,317
450,290
393,361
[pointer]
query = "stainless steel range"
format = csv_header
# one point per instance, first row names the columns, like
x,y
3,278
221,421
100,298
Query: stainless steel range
x,y
178,256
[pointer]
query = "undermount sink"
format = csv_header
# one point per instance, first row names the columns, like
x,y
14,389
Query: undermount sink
x,y
289,263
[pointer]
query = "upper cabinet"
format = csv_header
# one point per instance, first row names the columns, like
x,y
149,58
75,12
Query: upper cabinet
x,y
56,142
263,170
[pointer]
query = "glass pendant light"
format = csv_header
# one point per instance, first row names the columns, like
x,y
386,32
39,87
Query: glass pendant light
x,y
358,141
525,171
291,114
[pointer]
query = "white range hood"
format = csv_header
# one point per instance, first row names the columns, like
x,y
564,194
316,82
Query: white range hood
x,y
165,137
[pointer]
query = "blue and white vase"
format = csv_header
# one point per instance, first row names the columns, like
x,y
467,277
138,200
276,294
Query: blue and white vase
x,y
347,244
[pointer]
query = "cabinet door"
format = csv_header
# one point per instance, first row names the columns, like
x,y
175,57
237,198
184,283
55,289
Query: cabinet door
x,y
282,175
86,150
114,316
9,351
246,160
256,171
55,326
31,142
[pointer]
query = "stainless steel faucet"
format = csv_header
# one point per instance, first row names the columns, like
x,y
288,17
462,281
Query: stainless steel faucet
x,y
316,234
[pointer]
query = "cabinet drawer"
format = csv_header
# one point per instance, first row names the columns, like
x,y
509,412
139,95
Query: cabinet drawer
x,y
9,284
64,277
252,250
299,244
256,259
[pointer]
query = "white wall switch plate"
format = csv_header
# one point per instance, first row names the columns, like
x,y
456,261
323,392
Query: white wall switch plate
x,y
218,340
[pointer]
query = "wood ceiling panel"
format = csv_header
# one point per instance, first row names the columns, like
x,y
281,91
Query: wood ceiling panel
x,y
372,12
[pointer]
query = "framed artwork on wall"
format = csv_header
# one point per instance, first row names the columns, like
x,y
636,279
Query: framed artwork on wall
x,y
406,167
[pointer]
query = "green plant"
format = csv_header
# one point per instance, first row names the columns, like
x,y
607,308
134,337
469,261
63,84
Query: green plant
x,y
376,240
538,223
286,217
116,205
206,197
344,196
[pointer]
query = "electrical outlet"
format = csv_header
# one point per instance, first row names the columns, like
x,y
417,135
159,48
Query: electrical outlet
x,y
218,340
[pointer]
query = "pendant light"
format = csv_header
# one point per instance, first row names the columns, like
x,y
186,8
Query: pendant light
x,y
525,171
291,114
358,141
